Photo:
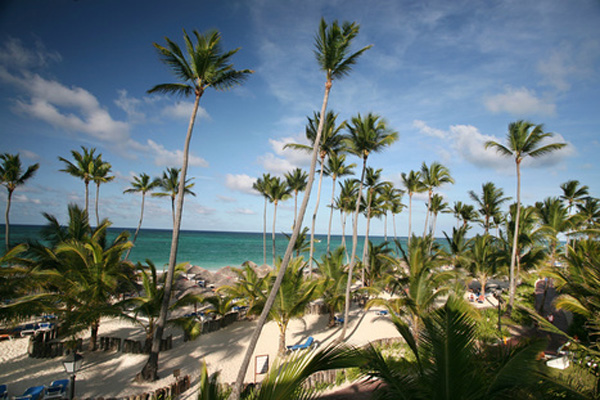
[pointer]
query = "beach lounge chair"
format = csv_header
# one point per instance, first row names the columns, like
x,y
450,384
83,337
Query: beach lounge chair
x,y
338,320
33,393
309,342
29,329
45,326
3,392
57,389
382,312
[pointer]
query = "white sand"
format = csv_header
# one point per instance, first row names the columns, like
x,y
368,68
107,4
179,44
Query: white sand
x,y
111,374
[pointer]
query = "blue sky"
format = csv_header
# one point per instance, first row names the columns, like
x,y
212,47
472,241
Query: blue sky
x,y
446,75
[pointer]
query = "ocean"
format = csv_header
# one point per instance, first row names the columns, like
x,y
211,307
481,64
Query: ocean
x,y
210,250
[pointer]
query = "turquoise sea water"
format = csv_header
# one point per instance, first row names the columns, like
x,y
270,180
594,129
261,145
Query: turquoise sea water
x,y
210,250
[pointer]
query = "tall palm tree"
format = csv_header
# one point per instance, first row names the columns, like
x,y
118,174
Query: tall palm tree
x,y
469,214
436,206
573,194
296,180
432,177
456,210
332,277
170,186
336,168
203,65
336,60
523,139
554,219
100,175
12,176
366,135
589,214
482,259
345,204
262,186
392,202
82,168
489,203
374,187
141,184
278,191
412,183
330,143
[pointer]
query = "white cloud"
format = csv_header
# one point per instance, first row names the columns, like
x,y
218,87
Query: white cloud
x,y
470,145
520,102
283,159
30,155
241,183
166,158
130,105
183,109
427,130
14,55
244,211
200,209
226,199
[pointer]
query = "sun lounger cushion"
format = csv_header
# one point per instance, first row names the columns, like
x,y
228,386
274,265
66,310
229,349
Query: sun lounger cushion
x,y
57,389
3,392
302,346
33,393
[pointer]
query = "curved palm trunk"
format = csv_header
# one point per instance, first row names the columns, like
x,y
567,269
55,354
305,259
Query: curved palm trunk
x,y
7,224
295,207
512,286
237,389
97,198
365,255
331,213
353,257
137,231
314,217
265,233
427,215
150,370
410,195
273,231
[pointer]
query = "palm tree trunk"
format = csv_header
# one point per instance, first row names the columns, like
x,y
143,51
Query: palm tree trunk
x,y
87,196
150,370
94,335
410,195
512,286
237,389
353,257
331,214
97,197
394,223
282,329
427,215
7,224
343,218
385,226
295,207
139,225
314,217
365,257
273,230
173,207
265,232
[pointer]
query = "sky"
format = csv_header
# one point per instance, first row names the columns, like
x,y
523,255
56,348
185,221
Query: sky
x,y
446,75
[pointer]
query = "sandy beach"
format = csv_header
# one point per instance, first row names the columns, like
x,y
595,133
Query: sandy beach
x,y
111,374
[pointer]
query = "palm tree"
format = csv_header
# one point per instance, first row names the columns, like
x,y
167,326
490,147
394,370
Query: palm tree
x,y
296,180
345,204
458,246
482,259
204,65
83,168
292,298
412,183
392,202
456,210
100,172
333,55
589,214
523,139
141,184
336,168
170,186
436,206
489,203
330,143
249,287
366,135
447,362
573,194
433,177
554,219
12,176
374,188
262,186
331,285
278,191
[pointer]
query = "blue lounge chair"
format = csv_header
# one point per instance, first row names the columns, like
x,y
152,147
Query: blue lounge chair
x,y
3,392
309,342
33,393
382,312
338,320
57,389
